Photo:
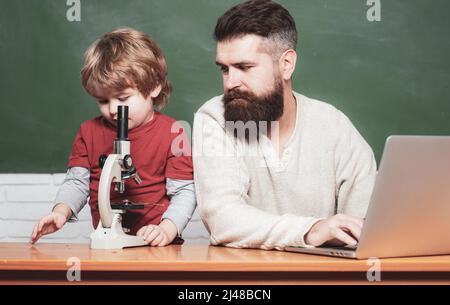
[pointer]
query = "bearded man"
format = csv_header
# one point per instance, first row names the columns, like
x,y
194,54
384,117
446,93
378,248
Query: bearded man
x,y
272,167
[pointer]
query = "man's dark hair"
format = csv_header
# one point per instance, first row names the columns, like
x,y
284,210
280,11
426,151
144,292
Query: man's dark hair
x,y
264,18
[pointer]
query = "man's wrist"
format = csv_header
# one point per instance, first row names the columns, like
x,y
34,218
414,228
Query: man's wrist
x,y
310,233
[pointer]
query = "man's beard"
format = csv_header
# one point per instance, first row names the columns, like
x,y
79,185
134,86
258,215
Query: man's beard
x,y
257,111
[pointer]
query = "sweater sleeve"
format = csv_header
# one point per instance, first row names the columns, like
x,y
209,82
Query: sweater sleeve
x,y
355,170
222,185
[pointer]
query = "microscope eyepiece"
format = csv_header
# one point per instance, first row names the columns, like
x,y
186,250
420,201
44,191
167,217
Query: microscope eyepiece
x,y
122,123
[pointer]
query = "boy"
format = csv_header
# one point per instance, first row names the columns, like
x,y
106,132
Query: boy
x,y
125,67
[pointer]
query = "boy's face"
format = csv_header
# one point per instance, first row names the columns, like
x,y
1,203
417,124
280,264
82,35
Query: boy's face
x,y
140,109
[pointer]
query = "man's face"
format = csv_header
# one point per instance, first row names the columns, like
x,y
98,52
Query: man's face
x,y
245,65
253,88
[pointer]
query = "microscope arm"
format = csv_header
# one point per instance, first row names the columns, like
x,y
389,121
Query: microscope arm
x,y
111,172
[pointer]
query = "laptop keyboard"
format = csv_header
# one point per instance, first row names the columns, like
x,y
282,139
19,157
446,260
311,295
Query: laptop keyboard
x,y
347,248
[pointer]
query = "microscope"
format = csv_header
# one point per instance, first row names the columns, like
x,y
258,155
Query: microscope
x,y
116,168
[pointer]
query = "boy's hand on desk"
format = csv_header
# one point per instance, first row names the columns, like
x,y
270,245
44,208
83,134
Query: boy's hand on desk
x,y
159,235
48,224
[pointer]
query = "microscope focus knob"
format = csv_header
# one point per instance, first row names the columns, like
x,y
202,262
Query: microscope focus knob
x,y
102,160
127,162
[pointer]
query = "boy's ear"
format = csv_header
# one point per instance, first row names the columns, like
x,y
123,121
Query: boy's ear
x,y
155,92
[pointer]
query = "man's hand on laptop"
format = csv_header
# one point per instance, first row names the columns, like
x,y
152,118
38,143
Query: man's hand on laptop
x,y
337,230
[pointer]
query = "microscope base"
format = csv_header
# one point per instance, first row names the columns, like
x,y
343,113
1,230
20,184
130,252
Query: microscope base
x,y
114,237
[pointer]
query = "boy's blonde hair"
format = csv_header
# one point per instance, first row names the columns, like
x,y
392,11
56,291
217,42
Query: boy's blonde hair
x,y
122,59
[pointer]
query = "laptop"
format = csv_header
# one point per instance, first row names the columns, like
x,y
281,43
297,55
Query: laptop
x,y
409,210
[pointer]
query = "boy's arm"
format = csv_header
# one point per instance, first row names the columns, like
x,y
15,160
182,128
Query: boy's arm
x,y
182,202
63,209
74,192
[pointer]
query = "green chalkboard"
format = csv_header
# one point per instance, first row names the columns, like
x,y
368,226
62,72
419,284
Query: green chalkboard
x,y
390,76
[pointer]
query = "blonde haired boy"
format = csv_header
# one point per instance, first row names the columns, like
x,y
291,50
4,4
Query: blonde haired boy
x,y
126,67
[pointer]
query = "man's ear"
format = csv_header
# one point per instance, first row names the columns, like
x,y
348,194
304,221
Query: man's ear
x,y
156,91
287,64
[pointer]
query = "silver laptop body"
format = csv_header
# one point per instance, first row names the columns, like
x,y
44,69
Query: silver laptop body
x,y
409,211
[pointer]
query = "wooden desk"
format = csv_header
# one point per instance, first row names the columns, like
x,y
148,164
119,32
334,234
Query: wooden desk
x,y
21,263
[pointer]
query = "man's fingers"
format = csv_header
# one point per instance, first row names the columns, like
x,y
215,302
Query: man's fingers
x,y
342,218
351,227
358,221
351,224
343,237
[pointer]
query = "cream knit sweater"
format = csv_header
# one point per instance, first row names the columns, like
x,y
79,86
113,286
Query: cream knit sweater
x,y
248,197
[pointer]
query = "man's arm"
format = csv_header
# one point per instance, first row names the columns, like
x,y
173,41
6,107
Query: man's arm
x,y
222,185
355,170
